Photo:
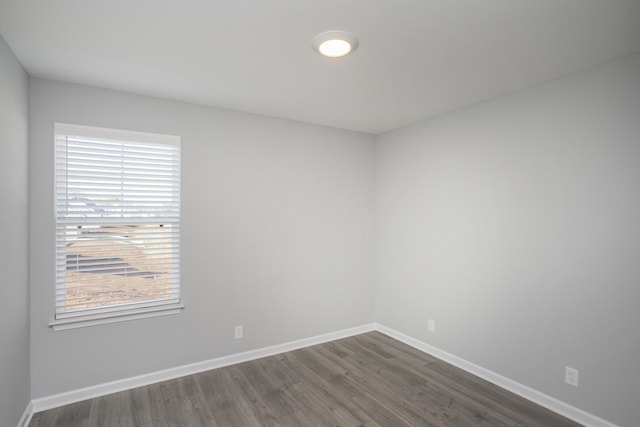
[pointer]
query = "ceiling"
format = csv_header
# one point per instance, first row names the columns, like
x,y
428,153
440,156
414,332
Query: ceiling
x,y
416,59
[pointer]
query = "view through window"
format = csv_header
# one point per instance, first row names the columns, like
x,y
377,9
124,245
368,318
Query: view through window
x,y
117,221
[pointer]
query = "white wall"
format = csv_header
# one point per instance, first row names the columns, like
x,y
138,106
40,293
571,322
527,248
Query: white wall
x,y
277,235
14,217
515,225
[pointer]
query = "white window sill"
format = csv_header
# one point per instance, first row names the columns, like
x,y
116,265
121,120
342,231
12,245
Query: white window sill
x,y
115,316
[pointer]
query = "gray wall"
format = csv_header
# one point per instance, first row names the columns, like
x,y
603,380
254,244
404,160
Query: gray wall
x,y
277,235
14,217
514,224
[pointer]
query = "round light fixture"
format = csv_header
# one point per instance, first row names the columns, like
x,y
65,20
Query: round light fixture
x,y
334,44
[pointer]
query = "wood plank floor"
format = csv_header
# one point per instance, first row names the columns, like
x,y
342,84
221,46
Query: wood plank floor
x,y
366,380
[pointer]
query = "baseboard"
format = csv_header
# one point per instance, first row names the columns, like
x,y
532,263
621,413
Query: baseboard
x,y
73,396
551,403
25,419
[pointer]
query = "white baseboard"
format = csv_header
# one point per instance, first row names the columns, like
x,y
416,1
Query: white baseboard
x,y
73,396
528,393
555,405
25,419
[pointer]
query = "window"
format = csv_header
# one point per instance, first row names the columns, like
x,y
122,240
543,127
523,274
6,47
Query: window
x,y
117,210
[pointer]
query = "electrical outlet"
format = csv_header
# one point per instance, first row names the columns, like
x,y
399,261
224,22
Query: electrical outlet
x,y
431,325
238,332
571,376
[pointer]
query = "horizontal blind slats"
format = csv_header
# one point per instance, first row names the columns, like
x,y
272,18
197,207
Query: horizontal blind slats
x,y
118,213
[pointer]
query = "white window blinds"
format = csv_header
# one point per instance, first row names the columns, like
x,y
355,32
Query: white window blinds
x,y
117,207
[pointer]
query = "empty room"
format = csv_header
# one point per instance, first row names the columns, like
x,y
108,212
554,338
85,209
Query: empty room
x,y
320,213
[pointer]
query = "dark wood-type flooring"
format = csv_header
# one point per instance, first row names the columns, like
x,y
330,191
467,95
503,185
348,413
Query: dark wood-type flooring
x,y
366,380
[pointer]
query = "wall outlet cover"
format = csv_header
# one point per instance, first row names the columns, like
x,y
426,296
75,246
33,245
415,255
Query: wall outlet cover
x,y
431,325
571,376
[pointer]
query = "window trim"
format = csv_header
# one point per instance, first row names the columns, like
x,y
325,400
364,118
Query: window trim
x,y
127,311
73,322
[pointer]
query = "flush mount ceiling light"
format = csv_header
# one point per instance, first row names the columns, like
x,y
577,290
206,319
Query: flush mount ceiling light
x,y
334,44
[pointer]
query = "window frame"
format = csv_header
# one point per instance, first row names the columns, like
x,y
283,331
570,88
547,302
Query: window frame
x,y
84,317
